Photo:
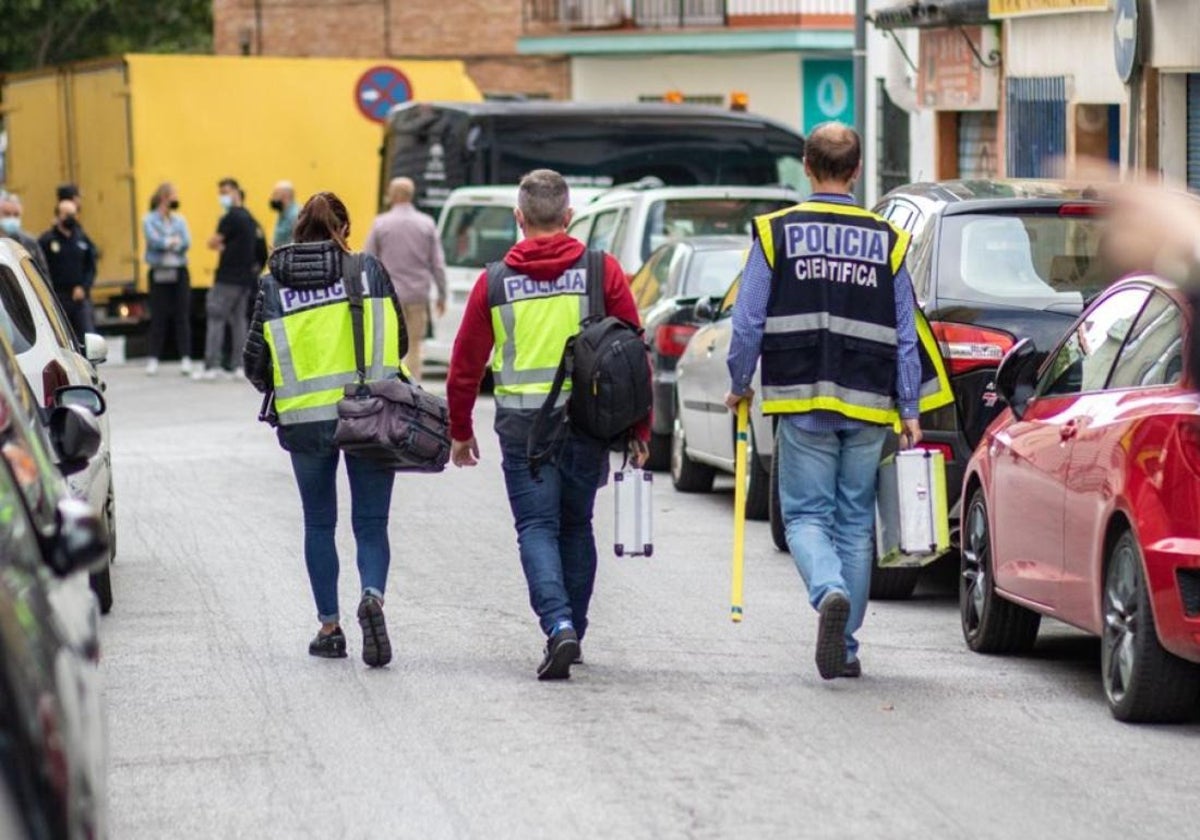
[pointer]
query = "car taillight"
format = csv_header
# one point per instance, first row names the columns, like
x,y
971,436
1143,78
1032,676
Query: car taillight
x,y
944,448
966,347
672,339
1081,210
53,378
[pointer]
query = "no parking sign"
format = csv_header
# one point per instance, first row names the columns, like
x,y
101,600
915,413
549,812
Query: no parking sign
x,y
379,90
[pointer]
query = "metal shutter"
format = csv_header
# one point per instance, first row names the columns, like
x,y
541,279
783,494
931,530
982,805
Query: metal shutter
x,y
1193,131
1037,127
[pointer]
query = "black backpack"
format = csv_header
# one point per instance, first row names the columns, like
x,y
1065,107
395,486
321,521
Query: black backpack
x,y
609,366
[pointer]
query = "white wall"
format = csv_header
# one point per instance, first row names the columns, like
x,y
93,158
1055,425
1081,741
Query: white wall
x,y
1076,45
772,80
1175,41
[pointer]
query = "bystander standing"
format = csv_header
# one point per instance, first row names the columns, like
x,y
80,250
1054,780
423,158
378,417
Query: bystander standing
x,y
167,243
71,258
237,239
10,226
283,202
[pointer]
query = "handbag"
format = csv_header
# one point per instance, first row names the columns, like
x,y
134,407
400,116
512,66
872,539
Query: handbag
x,y
390,421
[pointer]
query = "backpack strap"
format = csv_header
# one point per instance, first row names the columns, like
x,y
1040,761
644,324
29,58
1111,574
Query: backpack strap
x,y
352,283
594,264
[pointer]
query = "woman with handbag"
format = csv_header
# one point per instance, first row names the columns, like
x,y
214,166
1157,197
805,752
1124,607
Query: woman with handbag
x,y
167,243
301,353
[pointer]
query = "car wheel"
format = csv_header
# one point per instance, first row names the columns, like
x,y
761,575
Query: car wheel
x,y
101,583
687,475
758,484
990,624
1142,681
892,583
660,453
778,531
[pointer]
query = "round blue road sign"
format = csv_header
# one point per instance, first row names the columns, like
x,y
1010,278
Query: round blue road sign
x,y
1125,37
379,90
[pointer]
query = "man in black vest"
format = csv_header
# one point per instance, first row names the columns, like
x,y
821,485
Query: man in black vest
x,y
826,301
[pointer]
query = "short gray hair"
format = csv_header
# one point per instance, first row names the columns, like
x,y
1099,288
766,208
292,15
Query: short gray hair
x,y
543,199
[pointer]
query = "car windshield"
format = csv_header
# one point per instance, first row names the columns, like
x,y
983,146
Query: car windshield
x,y
1032,261
676,218
709,272
475,235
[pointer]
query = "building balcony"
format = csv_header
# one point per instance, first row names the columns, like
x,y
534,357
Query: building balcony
x,y
551,17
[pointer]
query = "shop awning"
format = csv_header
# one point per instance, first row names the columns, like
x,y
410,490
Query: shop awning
x,y
932,14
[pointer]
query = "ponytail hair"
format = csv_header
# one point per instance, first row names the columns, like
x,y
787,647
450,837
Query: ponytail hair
x,y
323,217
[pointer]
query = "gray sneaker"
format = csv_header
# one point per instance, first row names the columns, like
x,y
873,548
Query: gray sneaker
x,y
831,634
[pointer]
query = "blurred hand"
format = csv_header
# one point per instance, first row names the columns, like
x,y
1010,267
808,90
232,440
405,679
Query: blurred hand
x,y
732,399
639,451
77,294
464,453
910,433
440,308
216,241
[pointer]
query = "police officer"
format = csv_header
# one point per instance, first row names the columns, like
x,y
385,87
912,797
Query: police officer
x,y
301,352
826,302
524,309
71,257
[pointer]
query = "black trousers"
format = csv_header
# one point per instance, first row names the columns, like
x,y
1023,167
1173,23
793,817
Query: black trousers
x,y
170,303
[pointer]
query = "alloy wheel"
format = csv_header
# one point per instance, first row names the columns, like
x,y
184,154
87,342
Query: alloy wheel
x,y
976,555
1118,652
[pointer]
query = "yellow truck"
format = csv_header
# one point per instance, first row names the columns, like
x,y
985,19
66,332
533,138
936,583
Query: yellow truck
x,y
118,128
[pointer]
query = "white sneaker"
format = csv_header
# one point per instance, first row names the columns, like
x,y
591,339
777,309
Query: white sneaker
x,y
152,366
239,373
185,366
204,374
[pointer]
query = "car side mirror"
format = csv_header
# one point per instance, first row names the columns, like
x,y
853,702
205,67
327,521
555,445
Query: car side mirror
x,y
95,348
84,396
707,308
75,435
80,541
1016,378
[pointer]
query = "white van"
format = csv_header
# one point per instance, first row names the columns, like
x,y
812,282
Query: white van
x,y
476,227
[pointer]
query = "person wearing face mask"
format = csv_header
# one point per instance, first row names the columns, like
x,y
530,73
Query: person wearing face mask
x,y
10,227
283,202
167,243
71,258
226,306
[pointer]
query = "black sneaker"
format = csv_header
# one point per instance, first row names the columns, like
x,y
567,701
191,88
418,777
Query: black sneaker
x,y
329,645
377,648
561,650
852,669
831,635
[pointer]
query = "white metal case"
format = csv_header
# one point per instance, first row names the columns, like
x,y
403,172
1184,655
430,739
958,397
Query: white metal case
x,y
912,521
633,528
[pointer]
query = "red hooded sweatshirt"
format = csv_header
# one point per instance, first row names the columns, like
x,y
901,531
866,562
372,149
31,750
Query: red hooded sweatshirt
x,y
543,259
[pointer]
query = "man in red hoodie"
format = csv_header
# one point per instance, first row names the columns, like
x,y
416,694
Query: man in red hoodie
x,y
524,309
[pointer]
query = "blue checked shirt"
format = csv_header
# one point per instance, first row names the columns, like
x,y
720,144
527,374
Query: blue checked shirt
x,y
750,319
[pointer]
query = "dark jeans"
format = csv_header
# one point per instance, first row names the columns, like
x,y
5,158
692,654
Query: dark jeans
x,y
370,503
170,304
553,517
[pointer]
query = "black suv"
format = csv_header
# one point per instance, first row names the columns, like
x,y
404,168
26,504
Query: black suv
x,y
992,262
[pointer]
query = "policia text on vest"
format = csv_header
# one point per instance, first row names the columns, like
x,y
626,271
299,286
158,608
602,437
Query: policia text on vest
x,y
838,253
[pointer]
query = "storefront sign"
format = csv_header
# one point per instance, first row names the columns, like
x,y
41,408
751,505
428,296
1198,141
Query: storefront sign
x,y
951,77
1018,8
828,92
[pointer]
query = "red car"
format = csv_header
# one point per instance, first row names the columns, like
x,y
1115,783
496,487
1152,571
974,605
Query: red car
x,y
1084,501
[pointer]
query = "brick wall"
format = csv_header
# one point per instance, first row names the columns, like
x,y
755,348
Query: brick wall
x,y
482,32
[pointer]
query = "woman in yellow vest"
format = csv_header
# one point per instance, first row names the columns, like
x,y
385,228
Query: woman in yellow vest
x,y
301,354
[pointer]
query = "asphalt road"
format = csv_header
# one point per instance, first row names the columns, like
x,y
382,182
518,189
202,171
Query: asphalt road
x,y
680,725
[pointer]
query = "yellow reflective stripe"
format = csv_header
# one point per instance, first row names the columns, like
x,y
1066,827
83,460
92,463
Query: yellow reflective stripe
x,y
529,337
767,237
900,249
880,416
314,414
943,395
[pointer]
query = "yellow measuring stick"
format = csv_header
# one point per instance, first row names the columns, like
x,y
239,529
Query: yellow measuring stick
x,y
739,509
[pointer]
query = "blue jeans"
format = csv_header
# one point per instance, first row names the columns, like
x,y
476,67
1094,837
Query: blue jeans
x,y
370,502
553,517
827,496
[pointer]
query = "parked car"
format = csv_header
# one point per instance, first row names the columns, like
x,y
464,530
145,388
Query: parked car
x,y
1083,501
52,761
52,356
666,289
476,226
992,262
703,429
631,221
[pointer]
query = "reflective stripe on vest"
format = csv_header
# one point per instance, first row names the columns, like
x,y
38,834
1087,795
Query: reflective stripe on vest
x,y
833,323
314,396
530,333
